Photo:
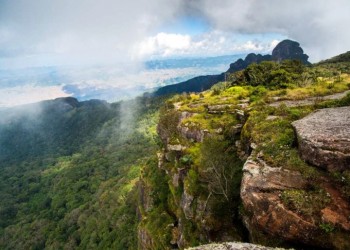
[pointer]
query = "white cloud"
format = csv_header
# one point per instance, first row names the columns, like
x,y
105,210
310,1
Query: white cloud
x,y
207,44
319,25
164,44
80,31
29,94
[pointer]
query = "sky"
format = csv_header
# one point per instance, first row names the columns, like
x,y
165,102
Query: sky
x,y
86,33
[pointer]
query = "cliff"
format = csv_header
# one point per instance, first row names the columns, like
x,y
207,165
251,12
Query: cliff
x,y
234,168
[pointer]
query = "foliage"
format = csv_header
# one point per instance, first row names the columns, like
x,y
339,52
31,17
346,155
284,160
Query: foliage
x,y
52,198
269,74
220,169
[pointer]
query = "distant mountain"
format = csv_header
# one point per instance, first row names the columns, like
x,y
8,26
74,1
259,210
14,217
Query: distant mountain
x,y
196,84
285,50
241,64
345,57
50,127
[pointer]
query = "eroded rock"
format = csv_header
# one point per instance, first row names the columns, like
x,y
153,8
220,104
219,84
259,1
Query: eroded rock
x,y
324,138
261,195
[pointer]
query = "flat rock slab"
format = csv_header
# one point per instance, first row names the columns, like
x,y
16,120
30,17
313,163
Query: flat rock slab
x,y
233,246
310,100
324,138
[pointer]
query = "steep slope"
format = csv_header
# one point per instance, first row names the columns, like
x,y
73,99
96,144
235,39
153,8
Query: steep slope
x,y
57,127
69,173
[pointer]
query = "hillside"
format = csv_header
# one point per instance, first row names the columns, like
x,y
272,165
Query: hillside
x,y
68,173
345,57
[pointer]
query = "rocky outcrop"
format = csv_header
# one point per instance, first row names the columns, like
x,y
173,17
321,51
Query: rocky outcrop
x,y
307,101
266,211
285,50
289,50
261,190
233,246
324,138
194,134
241,64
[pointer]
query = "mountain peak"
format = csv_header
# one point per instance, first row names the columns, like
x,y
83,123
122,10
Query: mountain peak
x,y
289,50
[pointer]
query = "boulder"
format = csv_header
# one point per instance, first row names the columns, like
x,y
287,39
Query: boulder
x,y
324,138
261,190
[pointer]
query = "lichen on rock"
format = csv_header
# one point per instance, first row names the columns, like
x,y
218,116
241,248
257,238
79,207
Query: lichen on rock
x,y
324,138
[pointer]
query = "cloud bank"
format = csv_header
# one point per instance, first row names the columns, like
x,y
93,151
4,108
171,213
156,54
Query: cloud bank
x,y
319,25
212,43
86,31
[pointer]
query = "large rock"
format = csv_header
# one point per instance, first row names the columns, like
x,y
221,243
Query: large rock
x,y
233,246
324,138
268,216
261,190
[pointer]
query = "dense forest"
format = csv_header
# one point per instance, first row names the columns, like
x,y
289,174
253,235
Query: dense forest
x,y
68,172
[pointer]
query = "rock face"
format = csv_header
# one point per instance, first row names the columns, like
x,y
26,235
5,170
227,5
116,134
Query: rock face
x,y
267,215
233,246
261,196
288,49
324,138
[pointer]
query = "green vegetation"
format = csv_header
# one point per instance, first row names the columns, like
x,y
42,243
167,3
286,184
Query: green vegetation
x,y
307,203
86,200
345,57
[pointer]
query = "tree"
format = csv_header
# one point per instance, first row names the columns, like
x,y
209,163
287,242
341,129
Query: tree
x,y
220,168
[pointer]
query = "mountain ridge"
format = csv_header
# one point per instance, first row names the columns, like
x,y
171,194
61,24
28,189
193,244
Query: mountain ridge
x,y
285,50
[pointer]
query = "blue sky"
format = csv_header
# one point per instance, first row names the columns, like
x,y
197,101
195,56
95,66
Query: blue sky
x,y
186,25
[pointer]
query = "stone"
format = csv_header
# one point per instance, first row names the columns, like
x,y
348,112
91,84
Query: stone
x,y
233,246
186,202
330,216
176,147
324,138
194,134
267,214
260,192
220,108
